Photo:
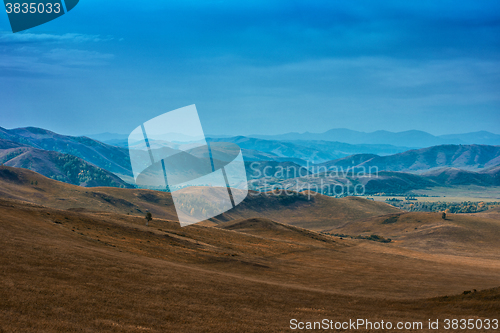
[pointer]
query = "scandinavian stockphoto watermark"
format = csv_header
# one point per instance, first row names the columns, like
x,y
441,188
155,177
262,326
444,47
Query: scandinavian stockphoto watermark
x,y
379,325
333,180
25,14
170,152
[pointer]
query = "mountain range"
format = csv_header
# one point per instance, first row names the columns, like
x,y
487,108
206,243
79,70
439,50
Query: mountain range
x,y
388,182
412,138
304,152
469,157
87,162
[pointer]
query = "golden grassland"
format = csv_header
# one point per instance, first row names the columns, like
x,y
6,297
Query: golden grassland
x,y
81,270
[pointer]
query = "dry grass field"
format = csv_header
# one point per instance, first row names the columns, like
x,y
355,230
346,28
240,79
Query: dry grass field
x,y
98,269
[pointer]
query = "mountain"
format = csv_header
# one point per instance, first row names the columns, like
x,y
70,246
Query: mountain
x,y
480,138
303,150
299,151
412,138
396,182
472,157
111,158
62,167
346,149
403,183
281,149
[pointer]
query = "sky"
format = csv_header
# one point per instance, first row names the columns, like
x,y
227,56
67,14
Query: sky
x,y
257,67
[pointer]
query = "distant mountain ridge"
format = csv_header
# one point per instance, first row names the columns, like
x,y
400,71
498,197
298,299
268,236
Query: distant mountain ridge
x,y
471,157
412,138
302,152
271,156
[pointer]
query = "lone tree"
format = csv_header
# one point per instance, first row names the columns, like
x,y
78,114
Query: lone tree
x,y
149,217
443,216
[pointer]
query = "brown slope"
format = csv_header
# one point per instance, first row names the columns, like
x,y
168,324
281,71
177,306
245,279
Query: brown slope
x,y
308,210
270,229
16,183
458,234
78,271
314,211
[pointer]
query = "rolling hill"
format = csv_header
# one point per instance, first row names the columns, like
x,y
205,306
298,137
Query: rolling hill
x,y
311,212
457,234
453,176
83,270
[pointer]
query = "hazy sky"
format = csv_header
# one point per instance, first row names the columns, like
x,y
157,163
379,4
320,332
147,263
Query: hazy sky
x,y
259,67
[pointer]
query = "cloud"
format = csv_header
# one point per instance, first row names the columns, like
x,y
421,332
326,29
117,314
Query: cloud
x,y
31,54
74,57
52,62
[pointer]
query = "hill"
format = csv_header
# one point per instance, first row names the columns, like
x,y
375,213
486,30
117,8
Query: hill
x,y
303,210
396,182
111,158
26,185
66,271
454,176
457,234
472,157
274,230
62,167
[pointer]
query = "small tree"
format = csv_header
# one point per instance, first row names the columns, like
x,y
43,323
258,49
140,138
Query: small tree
x,y
443,216
149,217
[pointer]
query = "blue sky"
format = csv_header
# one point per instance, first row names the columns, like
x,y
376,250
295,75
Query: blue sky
x,y
257,67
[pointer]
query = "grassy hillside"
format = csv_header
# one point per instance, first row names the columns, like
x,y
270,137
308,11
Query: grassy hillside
x,y
457,234
66,271
304,210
